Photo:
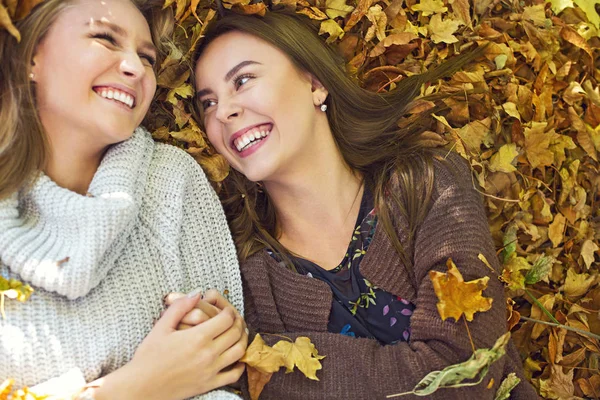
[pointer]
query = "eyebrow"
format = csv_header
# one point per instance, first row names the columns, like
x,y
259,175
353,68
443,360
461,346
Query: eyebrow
x,y
228,76
120,31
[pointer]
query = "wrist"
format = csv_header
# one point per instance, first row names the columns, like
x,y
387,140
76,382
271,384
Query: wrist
x,y
122,384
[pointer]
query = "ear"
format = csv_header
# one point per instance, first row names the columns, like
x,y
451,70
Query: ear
x,y
34,69
319,93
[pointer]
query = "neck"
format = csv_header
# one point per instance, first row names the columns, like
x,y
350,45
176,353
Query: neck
x,y
72,163
329,197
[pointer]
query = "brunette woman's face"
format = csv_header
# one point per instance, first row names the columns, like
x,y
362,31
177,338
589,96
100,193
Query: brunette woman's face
x,y
94,71
259,110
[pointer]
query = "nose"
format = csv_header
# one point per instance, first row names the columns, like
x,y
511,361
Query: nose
x,y
227,110
131,65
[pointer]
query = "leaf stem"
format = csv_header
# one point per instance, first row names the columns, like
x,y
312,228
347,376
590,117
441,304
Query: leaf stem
x,y
559,325
537,303
469,333
275,334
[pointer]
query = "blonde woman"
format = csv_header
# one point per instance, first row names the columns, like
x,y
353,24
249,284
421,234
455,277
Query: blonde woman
x,y
101,221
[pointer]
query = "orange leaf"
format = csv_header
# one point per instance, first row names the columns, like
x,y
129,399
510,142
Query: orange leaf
x,y
257,381
457,297
263,357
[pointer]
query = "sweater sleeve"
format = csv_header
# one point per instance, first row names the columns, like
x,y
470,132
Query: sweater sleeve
x,y
355,368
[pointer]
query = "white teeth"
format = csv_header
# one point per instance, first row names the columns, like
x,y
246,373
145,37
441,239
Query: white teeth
x,y
248,139
123,97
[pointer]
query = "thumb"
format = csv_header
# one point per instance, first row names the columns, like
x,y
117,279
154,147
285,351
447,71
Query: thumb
x,y
175,313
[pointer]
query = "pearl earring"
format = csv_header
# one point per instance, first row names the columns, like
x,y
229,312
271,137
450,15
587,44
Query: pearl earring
x,y
31,76
323,107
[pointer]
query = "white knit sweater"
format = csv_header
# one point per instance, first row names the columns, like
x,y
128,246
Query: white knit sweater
x,y
152,226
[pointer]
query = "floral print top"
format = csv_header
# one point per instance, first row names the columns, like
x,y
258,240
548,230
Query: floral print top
x,y
359,308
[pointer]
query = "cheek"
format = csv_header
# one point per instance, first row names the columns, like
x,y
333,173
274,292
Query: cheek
x,y
214,136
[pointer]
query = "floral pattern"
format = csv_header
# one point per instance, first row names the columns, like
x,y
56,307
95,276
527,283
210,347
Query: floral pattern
x,y
360,309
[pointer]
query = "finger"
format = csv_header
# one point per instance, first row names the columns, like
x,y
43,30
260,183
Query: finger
x,y
214,326
183,327
175,313
232,354
230,375
230,337
215,298
171,297
207,308
195,317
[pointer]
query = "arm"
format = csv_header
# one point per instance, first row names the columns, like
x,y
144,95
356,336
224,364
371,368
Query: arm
x,y
176,365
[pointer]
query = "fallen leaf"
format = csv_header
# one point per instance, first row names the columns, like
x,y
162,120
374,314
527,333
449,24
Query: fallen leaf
x,y
257,381
337,8
557,229
333,29
429,7
587,252
457,297
577,284
395,39
443,31
507,385
302,354
504,159
263,357
6,23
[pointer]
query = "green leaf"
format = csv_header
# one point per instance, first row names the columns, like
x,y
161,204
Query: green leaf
x,y
453,376
507,385
509,241
540,270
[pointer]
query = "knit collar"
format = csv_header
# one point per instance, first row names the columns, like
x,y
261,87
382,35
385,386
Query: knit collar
x,y
66,243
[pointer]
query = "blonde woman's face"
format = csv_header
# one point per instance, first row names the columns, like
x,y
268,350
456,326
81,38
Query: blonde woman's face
x,y
94,71
259,110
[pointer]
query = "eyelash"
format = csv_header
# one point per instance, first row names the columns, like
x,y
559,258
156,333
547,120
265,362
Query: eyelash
x,y
236,84
111,39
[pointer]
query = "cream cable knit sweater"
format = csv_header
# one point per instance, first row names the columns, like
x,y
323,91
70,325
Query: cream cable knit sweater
x,y
101,265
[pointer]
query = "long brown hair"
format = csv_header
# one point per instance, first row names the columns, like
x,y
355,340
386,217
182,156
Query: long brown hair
x,y
23,141
364,126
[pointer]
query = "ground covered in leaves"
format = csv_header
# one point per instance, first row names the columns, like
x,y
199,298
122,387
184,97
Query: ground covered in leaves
x,y
527,117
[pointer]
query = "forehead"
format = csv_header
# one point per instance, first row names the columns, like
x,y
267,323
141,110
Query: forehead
x,y
231,48
84,13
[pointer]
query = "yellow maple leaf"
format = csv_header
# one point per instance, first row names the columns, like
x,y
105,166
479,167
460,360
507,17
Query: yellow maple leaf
x,y
443,31
457,297
577,284
556,230
302,354
337,8
333,29
428,7
503,159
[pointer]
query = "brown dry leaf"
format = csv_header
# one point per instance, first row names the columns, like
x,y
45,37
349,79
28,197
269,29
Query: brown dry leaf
x,y
537,145
587,252
302,354
475,134
378,20
395,39
557,229
215,166
314,13
256,381
457,297
535,14
559,385
359,12
461,10
24,7
442,31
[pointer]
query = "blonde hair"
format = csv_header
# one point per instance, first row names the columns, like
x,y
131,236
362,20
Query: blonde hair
x,y
23,141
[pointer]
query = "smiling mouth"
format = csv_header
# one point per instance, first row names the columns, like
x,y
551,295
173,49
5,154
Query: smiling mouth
x,y
252,137
117,95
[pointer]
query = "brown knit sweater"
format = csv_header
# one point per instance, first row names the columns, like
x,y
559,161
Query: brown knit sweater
x,y
278,300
